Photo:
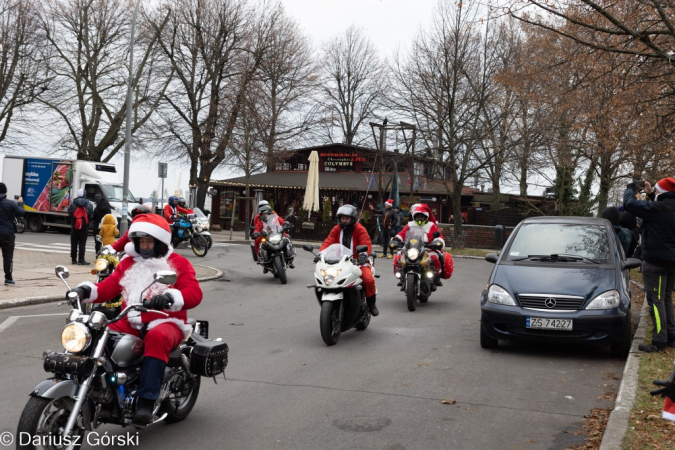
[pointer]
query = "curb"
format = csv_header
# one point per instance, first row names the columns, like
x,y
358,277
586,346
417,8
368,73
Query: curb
x,y
617,425
54,298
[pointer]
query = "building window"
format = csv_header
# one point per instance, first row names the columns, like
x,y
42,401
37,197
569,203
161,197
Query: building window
x,y
283,166
300,167
329,169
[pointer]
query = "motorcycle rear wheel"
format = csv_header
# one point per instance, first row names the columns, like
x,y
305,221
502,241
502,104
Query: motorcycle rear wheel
x,y
182,406
280,269
199,245
411,291
330,322
44,417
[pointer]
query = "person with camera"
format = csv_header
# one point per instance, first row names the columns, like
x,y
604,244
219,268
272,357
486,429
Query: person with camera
x,y
658,255
9,211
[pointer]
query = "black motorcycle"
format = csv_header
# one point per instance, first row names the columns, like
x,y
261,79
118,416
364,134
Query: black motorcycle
x,y
96,377
276,251
417,270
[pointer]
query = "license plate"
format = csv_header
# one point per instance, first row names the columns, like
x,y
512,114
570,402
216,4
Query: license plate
x,y
548,324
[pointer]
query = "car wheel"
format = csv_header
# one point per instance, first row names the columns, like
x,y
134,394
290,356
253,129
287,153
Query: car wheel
x,y
621,348
485,340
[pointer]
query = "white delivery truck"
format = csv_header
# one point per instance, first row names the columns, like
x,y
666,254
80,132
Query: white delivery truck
x,y
48,185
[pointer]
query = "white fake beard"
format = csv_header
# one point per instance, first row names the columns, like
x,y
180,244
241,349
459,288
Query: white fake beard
x,y
137,278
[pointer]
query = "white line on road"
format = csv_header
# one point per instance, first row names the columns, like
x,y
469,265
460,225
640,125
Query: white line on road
x,y
11,319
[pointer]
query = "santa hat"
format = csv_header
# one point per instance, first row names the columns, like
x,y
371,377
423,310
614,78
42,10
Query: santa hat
x,y
389,203
152,224
424,209
668,409
665,185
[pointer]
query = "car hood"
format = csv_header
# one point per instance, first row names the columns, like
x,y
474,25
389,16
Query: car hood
x,y
555,279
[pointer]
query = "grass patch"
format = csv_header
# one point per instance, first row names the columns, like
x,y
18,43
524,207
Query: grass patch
x,y
636,275
646,428
469,252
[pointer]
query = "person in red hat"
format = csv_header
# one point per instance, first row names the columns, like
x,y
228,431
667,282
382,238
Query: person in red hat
x,y
423,218
658,255
149,252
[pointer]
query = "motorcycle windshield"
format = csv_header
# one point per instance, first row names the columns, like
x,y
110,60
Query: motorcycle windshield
x,y
272,225
415,238
198,213
334,253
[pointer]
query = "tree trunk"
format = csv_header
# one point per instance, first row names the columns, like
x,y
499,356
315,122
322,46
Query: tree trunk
x,y
457,212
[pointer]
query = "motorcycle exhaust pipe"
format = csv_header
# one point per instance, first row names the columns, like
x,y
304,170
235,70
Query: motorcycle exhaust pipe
x,y
68,364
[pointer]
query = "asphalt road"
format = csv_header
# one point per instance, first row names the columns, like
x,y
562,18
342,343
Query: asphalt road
x,y
377,389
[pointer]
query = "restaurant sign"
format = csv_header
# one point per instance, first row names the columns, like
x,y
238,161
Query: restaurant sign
x,y
341,159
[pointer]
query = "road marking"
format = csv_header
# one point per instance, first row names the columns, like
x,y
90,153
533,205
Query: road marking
x,y
11,319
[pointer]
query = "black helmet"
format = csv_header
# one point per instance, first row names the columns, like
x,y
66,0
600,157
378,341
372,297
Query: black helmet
x,y
140,209
347,210
181,202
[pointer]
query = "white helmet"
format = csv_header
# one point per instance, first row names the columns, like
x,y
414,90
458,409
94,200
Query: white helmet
x,y
263,203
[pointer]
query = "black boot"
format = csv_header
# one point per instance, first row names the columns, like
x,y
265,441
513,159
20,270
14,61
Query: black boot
x,y
370,301
437,280
74,262
82,262
152,374
399,284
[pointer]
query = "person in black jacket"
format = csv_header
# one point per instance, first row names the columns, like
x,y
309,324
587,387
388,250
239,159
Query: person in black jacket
x,y
79,237
9,211
658,255
101,210
629,222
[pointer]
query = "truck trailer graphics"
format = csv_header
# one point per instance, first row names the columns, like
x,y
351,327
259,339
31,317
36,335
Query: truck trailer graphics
x,y
47,185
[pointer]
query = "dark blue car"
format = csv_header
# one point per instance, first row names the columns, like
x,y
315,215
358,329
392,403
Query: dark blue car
x,y
559,279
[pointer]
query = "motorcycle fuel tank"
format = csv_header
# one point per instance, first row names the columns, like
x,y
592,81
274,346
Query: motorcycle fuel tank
x,y
128,351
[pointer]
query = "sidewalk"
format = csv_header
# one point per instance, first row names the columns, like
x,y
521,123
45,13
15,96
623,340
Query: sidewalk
x,y
37,283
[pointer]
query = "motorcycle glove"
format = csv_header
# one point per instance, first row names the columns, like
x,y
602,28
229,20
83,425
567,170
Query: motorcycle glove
x,y
161,301
317,258
84,292
255,235
668,387
363,258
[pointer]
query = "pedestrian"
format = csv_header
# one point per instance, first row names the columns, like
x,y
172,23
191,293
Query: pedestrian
x,y
108,230
658,255
9,211
81,213
101,210
629,222
613,214
388,221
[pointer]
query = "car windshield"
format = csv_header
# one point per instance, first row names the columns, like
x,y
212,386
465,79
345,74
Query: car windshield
x,y
115,193
272,224
567,242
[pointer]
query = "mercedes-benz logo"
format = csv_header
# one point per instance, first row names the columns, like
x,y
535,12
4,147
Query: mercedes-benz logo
x,y
550,302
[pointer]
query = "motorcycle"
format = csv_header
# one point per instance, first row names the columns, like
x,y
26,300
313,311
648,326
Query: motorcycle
x,y
202,226
186,233
275,252
339,291
417,269
95,380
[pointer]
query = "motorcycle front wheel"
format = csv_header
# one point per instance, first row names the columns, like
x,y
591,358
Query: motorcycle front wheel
x,y
411,291
43,419
280,269
330,322
209,241
199,245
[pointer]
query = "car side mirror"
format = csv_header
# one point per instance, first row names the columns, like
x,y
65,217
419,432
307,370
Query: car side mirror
x,y
631,263
361,248
308,247
166,277
436,234
492,257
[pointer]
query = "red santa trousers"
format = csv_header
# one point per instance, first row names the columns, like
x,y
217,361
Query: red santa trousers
x,y
159,340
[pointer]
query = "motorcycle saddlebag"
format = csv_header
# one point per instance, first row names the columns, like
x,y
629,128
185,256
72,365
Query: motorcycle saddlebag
x,y
208,358
448,265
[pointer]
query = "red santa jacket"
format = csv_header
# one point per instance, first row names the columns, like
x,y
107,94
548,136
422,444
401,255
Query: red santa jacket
x,y
171,211
359,237
258,224
133,274
119,244
429,228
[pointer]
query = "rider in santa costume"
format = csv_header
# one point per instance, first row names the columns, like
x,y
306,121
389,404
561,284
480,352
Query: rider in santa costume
x,y
149,252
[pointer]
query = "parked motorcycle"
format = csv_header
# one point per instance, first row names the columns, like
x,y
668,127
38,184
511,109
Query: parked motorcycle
x,y
96,378
202,226
339,291
417,270
275,252
186,234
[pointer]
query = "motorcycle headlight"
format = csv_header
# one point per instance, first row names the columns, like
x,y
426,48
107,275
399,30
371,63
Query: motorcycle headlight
x,y
606,300
75,337
498,295
329,275
413,253
275,239
100,265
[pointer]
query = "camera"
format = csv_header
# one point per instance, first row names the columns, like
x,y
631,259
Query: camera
x,y
642,183
16,197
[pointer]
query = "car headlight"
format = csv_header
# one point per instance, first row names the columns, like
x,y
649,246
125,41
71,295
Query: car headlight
x,y
100,265
606,300
499,296
329,275
413,253
75,337
275,239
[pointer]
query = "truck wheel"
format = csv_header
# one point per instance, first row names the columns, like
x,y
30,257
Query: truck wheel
x,y
34,223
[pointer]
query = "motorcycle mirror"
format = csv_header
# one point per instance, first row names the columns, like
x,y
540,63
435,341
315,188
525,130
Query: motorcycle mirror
x,y
361,248
98,238
308,247
166,277
436,234
61,272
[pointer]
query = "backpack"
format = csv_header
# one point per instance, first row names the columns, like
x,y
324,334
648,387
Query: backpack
x,y
81,218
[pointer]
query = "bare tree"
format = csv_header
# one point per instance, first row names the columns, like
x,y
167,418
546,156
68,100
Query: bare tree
x,y
353,83
21,74
88,42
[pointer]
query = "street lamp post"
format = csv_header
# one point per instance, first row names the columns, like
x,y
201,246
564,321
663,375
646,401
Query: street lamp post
x,y
127,142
